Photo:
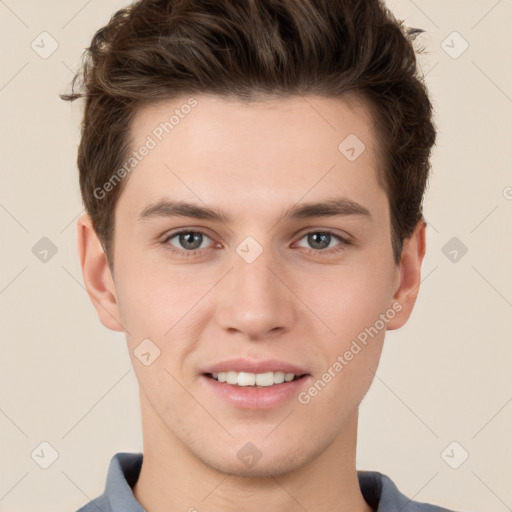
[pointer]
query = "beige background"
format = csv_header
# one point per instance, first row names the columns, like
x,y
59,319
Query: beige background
x,y
444,377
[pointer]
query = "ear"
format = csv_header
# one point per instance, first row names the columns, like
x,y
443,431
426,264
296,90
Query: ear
x,y
96,274
413,251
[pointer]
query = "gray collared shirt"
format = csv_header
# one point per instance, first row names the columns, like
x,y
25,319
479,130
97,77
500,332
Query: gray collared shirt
x,y
377,489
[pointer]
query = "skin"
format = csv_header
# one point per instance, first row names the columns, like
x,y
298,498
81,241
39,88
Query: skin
x,y
294,302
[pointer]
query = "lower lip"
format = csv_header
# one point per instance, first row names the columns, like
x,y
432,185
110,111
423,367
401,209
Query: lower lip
x,y
247,397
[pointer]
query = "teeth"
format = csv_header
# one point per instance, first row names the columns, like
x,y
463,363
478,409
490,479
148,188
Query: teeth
x,y
253,379
232,378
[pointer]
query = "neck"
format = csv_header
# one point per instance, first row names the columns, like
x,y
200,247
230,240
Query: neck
x,y
173,479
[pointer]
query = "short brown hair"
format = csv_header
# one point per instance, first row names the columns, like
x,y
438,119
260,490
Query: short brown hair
x,y
155,50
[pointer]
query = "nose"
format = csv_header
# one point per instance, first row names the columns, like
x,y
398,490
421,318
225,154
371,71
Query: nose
x,y
255,299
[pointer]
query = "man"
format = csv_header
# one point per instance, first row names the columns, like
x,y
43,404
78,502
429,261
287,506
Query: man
x,y
253,174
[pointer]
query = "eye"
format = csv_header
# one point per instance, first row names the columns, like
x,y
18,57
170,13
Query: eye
x,y
191,241
321,240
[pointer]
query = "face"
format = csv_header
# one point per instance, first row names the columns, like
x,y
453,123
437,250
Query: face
x,y
274,278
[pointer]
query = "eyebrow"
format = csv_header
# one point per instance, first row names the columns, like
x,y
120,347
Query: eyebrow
x,y
335,207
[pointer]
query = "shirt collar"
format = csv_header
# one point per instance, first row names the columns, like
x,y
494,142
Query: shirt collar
x,y
122,474
377,489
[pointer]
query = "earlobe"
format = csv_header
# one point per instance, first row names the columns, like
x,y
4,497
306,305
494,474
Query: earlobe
x,y
413,252
96,275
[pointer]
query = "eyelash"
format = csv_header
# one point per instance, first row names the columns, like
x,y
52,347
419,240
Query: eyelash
x,y
314,252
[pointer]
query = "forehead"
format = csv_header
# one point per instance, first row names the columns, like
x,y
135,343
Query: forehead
x,y
266,149
205,114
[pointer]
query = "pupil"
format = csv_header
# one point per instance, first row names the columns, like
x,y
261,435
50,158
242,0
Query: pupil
x,y
184,240
313,236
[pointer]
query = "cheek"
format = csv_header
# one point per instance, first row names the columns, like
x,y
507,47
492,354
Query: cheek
x,y
339,389
155,304
350,304
349,298
153,297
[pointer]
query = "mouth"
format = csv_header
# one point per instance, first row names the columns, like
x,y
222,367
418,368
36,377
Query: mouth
x,y
254,380
254,384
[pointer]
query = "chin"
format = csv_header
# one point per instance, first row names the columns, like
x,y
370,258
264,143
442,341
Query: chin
x,y
257,459
261,469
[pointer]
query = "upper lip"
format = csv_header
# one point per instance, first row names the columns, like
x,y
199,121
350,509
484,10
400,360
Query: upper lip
x,y
253,366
